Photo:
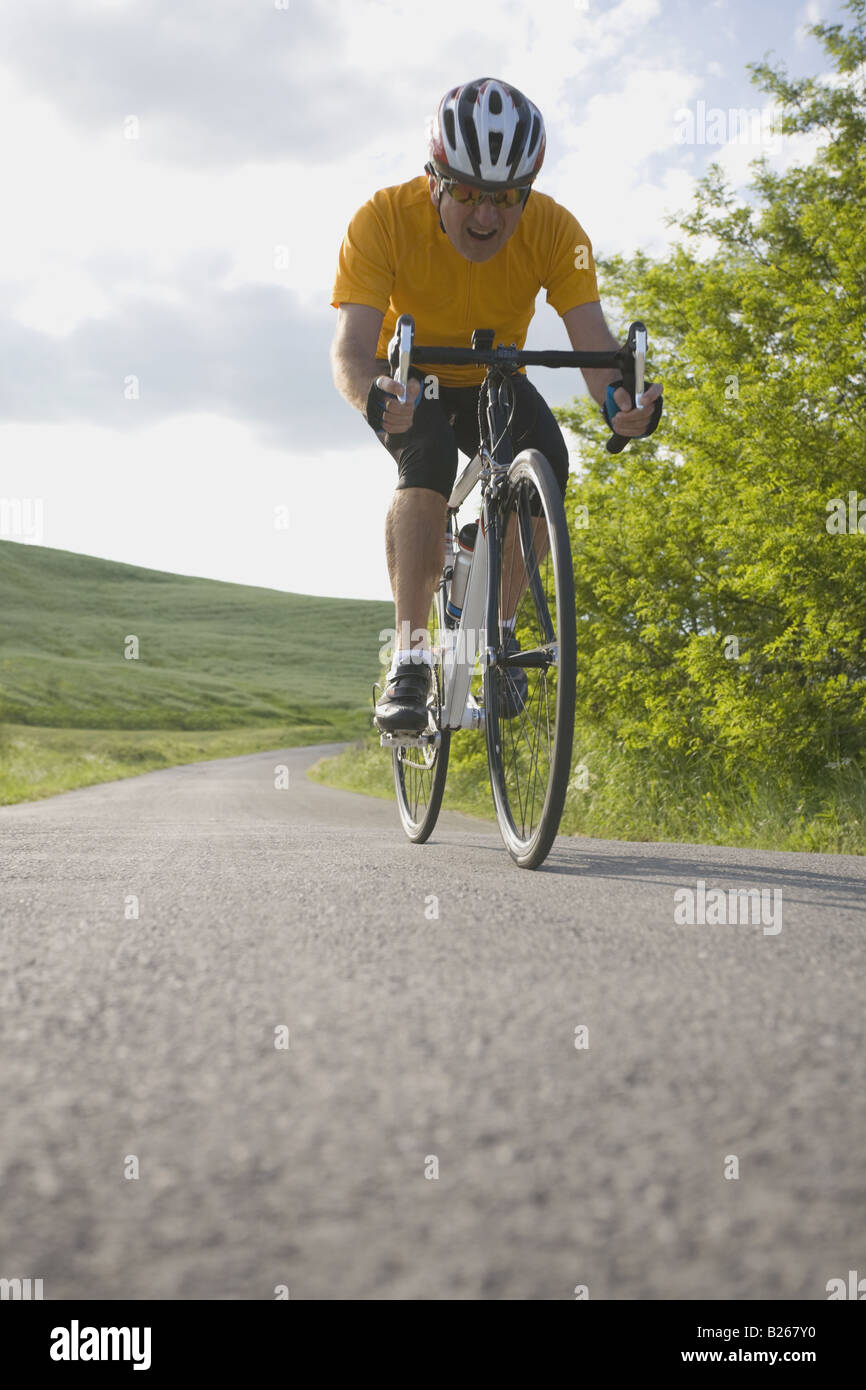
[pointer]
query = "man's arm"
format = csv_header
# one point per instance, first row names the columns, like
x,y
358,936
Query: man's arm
x,y
588,332
353,351
354,365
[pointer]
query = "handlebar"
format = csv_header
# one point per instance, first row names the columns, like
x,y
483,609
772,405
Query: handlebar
x,y
630,360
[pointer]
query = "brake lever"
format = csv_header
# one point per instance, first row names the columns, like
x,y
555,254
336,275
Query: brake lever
x,y
400,352
633,377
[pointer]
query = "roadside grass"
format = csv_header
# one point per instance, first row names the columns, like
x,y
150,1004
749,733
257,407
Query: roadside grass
x,y
36,762
627,796
367,768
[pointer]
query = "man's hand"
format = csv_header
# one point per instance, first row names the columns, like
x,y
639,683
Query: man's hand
x,y
398,417
629,422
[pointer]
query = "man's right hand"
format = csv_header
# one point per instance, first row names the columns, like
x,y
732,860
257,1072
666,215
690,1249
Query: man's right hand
x,y
397,417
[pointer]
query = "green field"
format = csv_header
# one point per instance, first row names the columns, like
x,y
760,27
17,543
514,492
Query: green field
x,y
221,669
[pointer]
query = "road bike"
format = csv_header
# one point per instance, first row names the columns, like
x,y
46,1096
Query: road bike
x,y
517,617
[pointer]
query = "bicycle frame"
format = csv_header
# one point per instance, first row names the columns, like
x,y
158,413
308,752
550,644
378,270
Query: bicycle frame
x,y
460,710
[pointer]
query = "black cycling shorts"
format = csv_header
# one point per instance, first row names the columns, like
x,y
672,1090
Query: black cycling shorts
x,y
426,453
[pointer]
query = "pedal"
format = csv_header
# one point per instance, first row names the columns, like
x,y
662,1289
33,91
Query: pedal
x,y
396,739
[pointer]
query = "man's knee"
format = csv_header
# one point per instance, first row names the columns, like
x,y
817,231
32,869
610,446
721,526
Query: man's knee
x,y
538,429
419,497
557,457
556,454
436,485
428,460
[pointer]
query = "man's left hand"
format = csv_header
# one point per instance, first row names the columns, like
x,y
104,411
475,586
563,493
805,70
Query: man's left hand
x,y
630,422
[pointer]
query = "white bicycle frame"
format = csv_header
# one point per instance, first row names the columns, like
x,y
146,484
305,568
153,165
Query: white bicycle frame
x,y
461,646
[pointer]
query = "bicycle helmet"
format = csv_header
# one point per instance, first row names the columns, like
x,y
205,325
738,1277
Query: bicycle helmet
x,y
487,133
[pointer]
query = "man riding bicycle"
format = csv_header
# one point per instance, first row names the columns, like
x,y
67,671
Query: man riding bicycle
x,y
462,248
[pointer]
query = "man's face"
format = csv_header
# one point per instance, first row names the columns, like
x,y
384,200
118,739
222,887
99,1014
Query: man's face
x,y
476,232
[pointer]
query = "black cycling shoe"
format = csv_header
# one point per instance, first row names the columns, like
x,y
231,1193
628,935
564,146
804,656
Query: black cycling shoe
x,y
402,706
515,685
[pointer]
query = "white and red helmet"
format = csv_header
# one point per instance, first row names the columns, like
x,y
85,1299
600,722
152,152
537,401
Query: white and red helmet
x,y
487,133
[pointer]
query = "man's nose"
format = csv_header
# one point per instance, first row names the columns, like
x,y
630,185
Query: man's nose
x,y
486,214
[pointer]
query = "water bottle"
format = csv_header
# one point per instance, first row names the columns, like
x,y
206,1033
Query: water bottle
x,y
462,565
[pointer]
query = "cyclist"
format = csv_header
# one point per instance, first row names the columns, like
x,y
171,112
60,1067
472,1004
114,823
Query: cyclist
x,y
460,247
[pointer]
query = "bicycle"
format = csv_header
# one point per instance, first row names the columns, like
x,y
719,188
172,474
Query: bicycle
x,y
521,584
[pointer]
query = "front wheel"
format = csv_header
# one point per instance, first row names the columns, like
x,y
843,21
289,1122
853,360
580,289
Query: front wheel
x,y
530,678
419,773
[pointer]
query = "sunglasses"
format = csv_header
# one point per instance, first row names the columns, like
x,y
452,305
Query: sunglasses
x,y
468,195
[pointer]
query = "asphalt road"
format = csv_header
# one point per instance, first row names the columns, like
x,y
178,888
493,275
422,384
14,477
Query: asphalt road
x,y
414,1042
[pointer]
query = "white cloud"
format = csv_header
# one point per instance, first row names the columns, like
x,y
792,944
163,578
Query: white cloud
x,y
163,247
61,298
614,175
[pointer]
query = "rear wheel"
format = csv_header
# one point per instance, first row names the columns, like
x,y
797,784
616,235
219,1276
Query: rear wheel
x,y
529,689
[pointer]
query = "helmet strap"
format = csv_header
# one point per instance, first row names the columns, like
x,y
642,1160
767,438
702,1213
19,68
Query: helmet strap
x,y
429,169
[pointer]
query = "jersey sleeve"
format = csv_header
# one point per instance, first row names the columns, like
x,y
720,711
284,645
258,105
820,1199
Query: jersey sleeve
x,y
569,276
366,267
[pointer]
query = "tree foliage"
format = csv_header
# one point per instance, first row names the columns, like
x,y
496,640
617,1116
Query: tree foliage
x,y
719,526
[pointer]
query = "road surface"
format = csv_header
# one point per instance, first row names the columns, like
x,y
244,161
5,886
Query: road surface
x,y
322,1059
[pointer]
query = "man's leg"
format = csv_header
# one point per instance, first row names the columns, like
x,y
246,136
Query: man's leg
x,y
516,573
415,550
534,427
426,455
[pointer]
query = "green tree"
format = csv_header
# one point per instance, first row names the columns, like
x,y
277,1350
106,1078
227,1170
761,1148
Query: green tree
x,y
716,527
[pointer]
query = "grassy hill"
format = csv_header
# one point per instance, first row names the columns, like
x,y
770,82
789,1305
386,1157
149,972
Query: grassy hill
x,y
221,667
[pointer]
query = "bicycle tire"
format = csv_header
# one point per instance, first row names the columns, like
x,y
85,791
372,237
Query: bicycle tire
x,y
553,639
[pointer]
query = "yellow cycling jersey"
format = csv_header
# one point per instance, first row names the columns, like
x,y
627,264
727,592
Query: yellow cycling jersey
x,y
396,258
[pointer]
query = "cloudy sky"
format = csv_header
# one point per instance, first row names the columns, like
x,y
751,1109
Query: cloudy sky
x,y
177,176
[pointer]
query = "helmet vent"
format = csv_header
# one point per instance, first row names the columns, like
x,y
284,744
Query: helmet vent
x,y
450,129
495,102
470,136
518,143
495,144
